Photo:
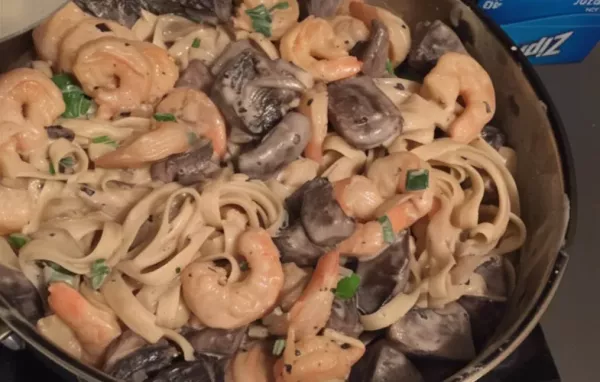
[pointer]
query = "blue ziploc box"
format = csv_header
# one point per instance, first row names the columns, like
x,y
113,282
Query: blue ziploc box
x,y
549,31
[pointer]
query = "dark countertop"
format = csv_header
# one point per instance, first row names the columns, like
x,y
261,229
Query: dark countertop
x,y
571,323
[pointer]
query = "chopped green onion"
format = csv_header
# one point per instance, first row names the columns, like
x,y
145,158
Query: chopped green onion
x,y
106,140
192,138
244,266
387,229
67,162
17,241
282,5
57,267
99,273
417,180
54,273
51,169
196,43
390,68
347,287
165,117
278,347
77,103
262,19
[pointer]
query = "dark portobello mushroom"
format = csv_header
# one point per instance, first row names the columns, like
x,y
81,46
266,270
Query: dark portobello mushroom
x,y
203,369
56,132
493,136
280,147
187,168
222,9
127,343
251,92
126,12
437,333
215,342
361,113
139,364
318,8
295,247
384,363
374,52
196,76
325,222
432,40
293,204
381,276
345,317
21,294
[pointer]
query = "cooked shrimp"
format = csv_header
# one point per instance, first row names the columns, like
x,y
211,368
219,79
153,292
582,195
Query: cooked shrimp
x,y
196,109
312,310
358,196
318,359
16,209
227,306
164,74
94,328
400,38
314,106
394,215
48,35
283,19
167,139
457,75
314,46
344,8
87,30
116,74
30,99
254,365
351,30
55,330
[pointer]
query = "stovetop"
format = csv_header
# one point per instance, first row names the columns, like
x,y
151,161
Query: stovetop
x,y
532,362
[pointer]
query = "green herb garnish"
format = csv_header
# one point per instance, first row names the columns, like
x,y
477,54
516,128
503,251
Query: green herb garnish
x,y
417,180
67,162
278,347
178,270
51,169
244,266
17,241
196,43
99,273
54,273
262,19
390,67
165,117
347,287
77,103
57,267
387,229
106,140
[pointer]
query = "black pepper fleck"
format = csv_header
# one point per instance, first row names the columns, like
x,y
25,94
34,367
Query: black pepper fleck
x,y
399,86
488,109
288,368
320,333
297,353
242,110
127,44
310,101
102,27
345,346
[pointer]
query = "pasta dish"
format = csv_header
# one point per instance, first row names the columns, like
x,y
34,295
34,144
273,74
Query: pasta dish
x,y
274,190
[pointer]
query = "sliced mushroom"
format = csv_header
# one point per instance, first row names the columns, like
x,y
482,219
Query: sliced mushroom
x,y
383,363
205,369
21,294
293,203
345,317
251,93
361,113
121,347
220,8
493,136
125,12
283,145
187,168
56,132
441,333
485,316
215,342
137,365
196,76
383,275
295,246
325,222
432,40
374,53
494,274
318,8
